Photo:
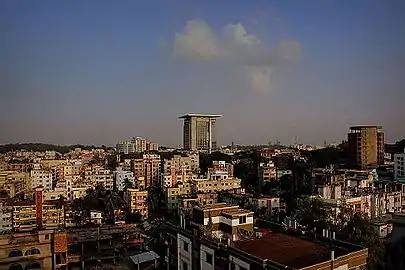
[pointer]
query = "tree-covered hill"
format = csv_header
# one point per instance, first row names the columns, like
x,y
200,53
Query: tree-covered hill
x,y
42,147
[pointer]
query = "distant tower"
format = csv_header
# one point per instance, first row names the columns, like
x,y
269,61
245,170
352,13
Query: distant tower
x,y
199,132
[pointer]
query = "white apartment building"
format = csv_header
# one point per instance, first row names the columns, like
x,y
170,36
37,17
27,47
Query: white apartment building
x,y
122,177
399,165
41,178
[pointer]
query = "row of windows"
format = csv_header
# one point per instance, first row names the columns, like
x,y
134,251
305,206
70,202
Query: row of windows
x,y
208,258
19,253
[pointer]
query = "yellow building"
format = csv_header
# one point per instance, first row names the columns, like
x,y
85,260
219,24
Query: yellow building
x,y
210,185
26,251
138,201
172,194
47,164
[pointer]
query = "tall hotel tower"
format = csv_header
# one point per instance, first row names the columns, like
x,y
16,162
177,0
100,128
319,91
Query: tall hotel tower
x,y
199,132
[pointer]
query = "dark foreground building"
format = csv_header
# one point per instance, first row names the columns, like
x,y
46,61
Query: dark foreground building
x,y
186,249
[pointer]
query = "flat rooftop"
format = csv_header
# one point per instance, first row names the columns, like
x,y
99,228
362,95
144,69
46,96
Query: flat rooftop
x,y
236,212
365,127
189,115
287,250
217,206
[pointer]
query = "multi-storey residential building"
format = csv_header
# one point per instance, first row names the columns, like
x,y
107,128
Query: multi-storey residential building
x,y
147,168
267,172
366,146
4,177
138,201
215,185
221,167
212,184
180,168
172,194
399,165
99,176
199,132
188,201
14,182
55,194
136,145
223,221
359,178
28,215
383,203
26,250
68,171
41,178
18,167
267,206
124,178
374,204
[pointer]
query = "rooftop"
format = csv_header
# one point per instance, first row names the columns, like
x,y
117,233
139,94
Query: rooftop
x,y
217,206
236,212
288,250
200,115
364,127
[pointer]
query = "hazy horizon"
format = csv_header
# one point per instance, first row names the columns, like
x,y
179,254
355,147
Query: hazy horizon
x,y
99,72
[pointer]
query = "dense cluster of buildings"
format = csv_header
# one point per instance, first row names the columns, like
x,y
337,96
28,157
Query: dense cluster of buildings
x,y
218,224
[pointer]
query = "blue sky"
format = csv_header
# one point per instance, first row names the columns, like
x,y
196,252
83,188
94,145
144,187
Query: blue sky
x,y
103,71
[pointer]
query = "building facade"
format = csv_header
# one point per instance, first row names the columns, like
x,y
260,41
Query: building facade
x,y
199,132
124,178
137,201
136,145
399,165
366,146
41,178
26,250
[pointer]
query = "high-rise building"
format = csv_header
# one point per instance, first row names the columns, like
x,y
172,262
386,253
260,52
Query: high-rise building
x,y
366,146
199,133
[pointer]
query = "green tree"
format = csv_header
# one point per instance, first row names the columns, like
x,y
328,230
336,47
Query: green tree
x,y
128,184
311,213
360,230
61,206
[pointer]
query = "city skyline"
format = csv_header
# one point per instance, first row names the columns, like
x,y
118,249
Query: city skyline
x,y
73,73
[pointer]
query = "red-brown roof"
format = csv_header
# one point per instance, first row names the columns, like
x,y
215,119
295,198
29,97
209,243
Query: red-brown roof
x,y
285,249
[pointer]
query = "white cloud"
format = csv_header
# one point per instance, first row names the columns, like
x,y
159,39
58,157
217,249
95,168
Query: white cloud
x,y
259,78
234,46
197,42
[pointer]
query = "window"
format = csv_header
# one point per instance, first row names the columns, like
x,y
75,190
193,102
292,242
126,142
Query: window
x,y
15,253
242,268
185,246
208,258
242,219
32,251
